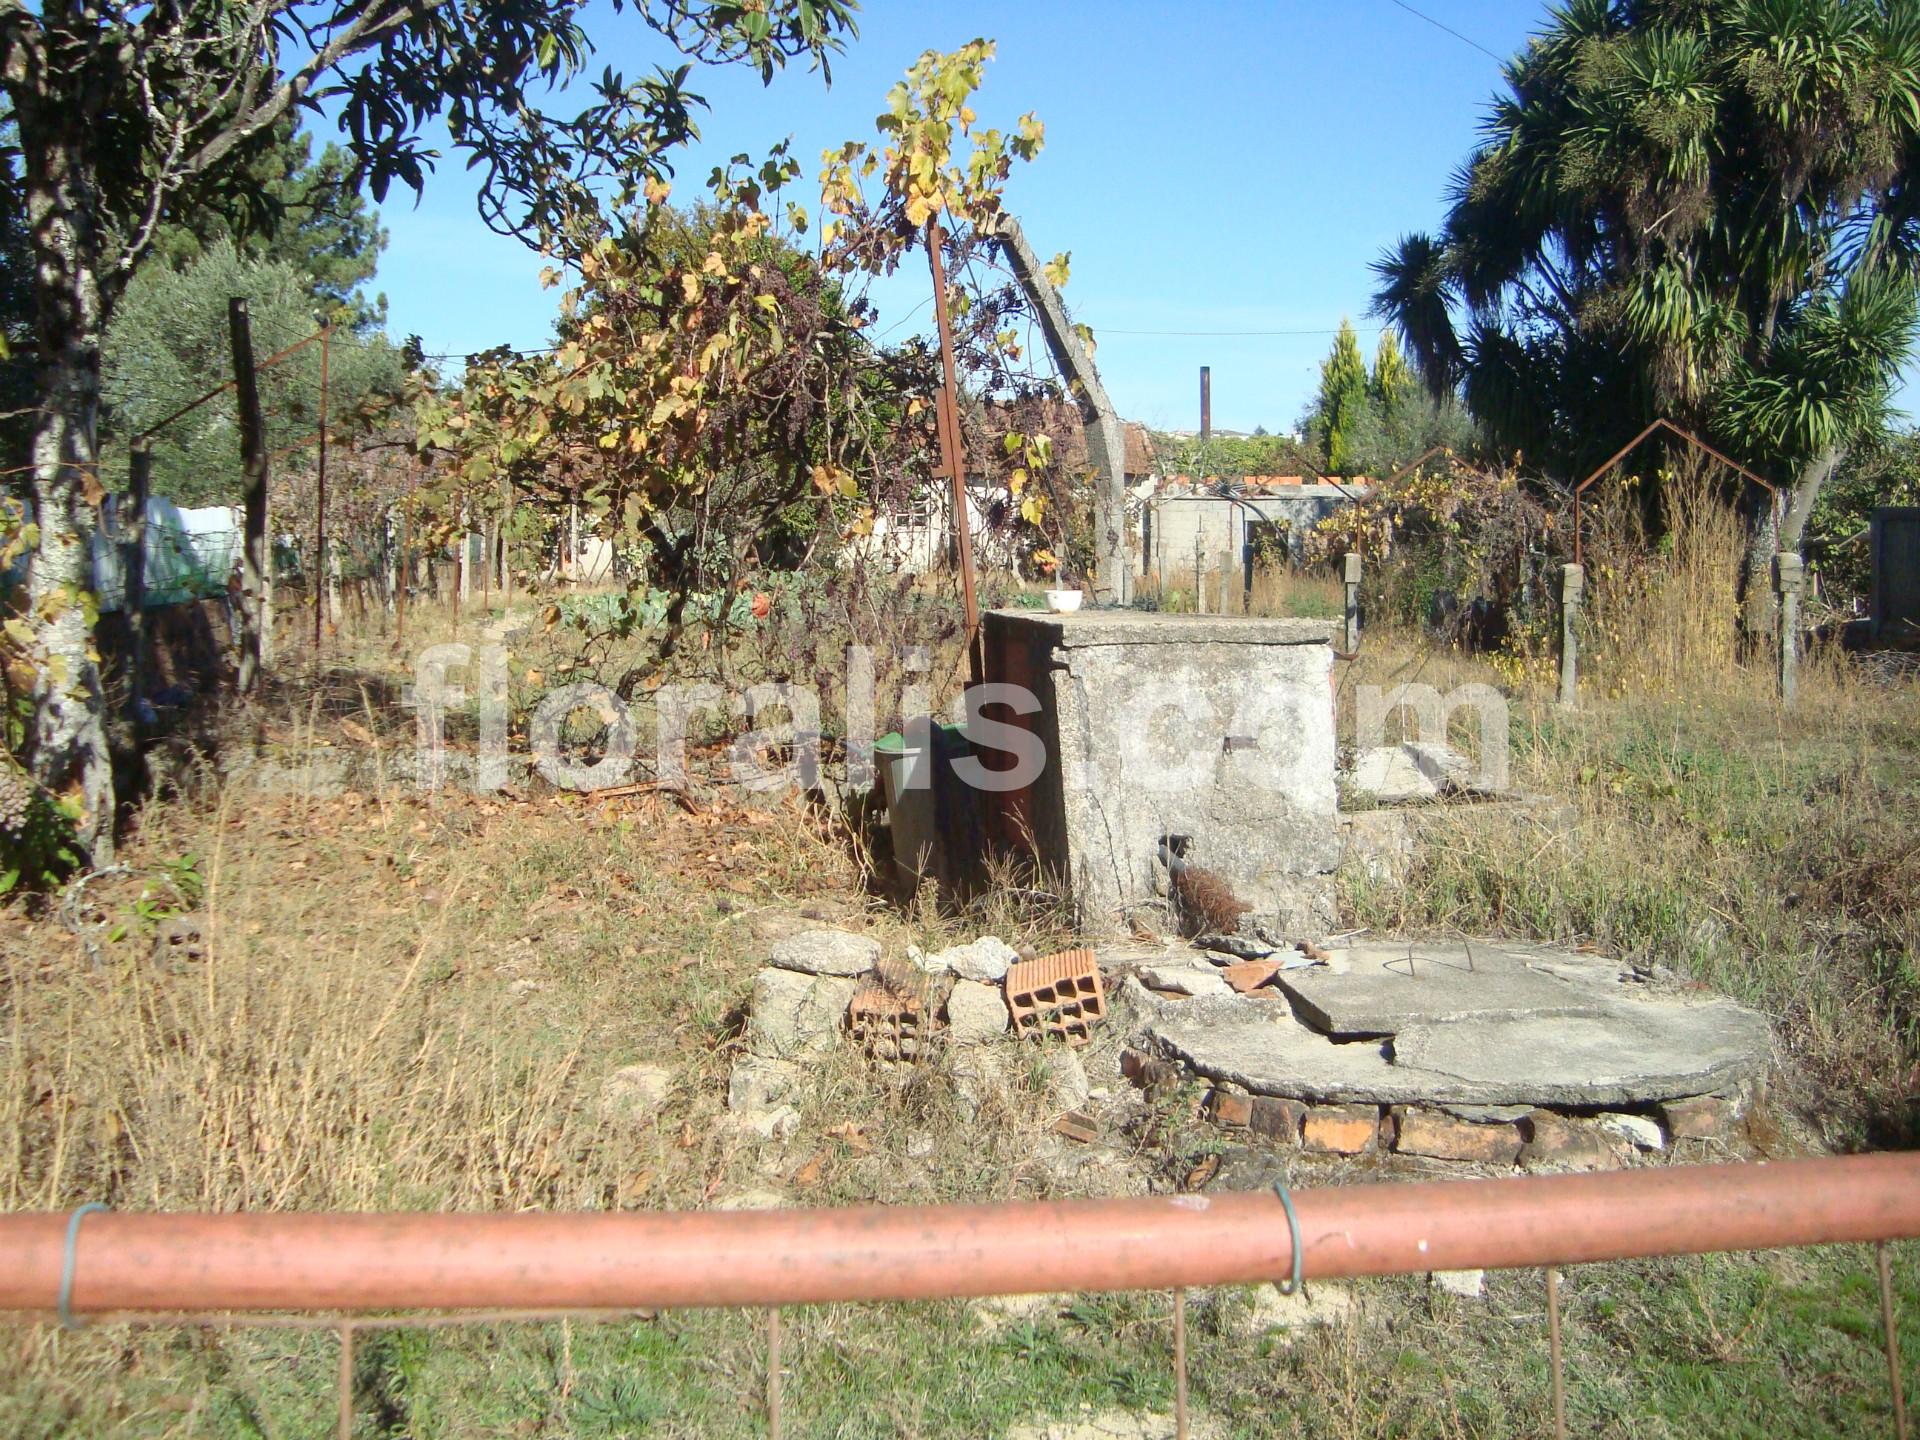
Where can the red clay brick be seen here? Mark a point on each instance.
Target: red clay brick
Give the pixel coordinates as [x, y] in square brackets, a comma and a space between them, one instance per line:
[1078, 1125]
[1567, 1143]
[1699, 1117]
[1057, 996]
[1277, 1119]
[1249, 975]
[1226, 1108]
[887, 1022]
[1341, 1129]
[1441, 1136]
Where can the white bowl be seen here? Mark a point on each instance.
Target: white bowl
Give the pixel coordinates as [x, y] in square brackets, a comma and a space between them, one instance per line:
[1064, 602]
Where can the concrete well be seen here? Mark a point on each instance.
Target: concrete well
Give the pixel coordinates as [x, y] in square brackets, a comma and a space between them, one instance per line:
[1219, 729]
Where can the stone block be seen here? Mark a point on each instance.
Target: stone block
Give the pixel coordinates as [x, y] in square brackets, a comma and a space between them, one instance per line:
[758, 1086]
[1341, 1129]
[1441, 1136]
[634, 1093]
[1186, 976]
[1375, 987]
[976, 1013]
[985, 960]
[795, 1013]
[1467, 1284]
[1640, 1131]
[1065, 1079]
[826, 951]
[1409, 771]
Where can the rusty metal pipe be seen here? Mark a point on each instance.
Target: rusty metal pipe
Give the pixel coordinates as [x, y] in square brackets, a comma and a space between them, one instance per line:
[352, 1262]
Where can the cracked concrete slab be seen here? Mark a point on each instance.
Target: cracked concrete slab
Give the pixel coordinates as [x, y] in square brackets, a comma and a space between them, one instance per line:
[1258, 1046]
[1634, 1052]
[1378, 988]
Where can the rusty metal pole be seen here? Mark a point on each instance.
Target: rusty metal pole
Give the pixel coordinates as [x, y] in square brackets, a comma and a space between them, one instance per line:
[952, 453]
[289, 1261]
[1180, 1365]
[320, 500]
[344, 1423]
[773, 1373]
[1892, 1333]
[1554, 1355]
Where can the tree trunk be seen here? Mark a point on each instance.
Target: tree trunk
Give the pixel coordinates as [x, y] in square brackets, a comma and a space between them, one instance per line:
[68, 746]
[1106, 437]
[1770, 531]
[1806, 494]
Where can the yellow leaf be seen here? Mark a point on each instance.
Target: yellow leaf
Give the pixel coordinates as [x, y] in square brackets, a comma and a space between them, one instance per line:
[657, 191]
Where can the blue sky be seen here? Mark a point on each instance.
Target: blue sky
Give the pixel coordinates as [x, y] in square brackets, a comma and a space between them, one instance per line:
[1211, 167]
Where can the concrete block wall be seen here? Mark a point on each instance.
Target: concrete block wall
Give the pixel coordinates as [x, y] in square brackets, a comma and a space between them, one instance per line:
[1216, 728]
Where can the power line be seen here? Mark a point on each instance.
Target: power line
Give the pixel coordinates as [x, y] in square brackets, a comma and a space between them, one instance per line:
[1102, 331]
[1441, 25]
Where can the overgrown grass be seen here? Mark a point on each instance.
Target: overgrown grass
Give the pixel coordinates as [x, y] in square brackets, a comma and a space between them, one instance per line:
[1770, 853]
[413, 1003]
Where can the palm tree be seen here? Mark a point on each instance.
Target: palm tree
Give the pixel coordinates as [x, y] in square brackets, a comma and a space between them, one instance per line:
[1708, 209]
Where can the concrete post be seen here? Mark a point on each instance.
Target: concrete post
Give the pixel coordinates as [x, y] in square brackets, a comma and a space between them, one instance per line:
[1350, 573]
[1573, 583]
[334, 577]
[1789, 581]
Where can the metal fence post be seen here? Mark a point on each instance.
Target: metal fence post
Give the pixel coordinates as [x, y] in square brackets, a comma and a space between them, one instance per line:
[1554, 1354]
[1350, 573]
[345, 1421]
[1789, 580]
[1573, 584]
[1892, 1333]
[773, 1373]
[1180, 1364]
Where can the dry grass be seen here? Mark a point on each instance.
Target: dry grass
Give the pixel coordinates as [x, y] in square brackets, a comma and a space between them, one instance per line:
[1663, 620]
[1769, 852]
[1278, 590]
[415, 1003]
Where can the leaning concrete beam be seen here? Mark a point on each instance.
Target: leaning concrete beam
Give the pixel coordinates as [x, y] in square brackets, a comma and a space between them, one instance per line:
[1106, 439]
